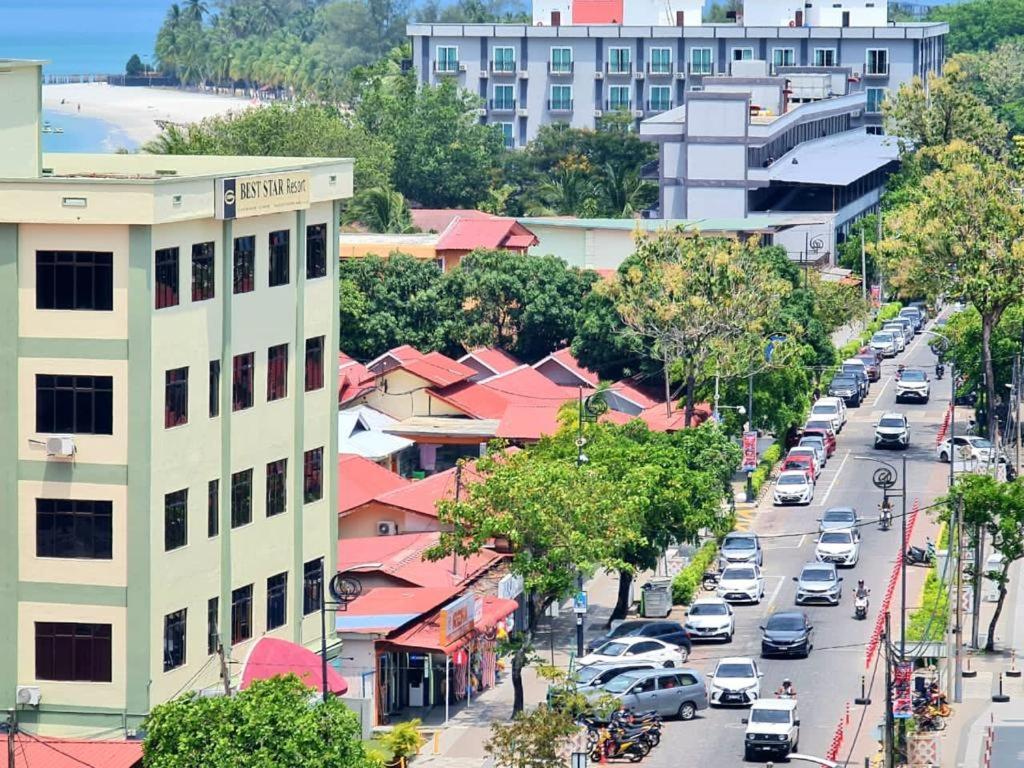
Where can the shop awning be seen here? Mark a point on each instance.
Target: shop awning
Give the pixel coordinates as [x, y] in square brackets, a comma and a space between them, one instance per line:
[426, 634]
[270, 656]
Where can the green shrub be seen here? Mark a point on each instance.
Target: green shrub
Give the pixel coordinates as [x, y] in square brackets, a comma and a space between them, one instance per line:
[934, 601]
[771, 456]
[688, 581]
[942, 540]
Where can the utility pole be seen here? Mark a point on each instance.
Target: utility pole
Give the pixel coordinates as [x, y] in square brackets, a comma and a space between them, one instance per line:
[1016, 412]
[887, 655]
[878, 239]
[225, 673]
[12, 729]
[958, 609]
[979, 553]
[458, 493]
[863, 268]
[716, 396]
[952, 420]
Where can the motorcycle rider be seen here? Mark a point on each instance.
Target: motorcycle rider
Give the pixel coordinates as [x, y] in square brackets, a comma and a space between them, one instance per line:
[786, 690]
[886, 516]
[940, 370]
[862, 591]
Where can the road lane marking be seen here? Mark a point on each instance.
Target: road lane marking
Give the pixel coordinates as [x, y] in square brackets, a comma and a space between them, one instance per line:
[775, 593]
[878, 397]
[834, 479]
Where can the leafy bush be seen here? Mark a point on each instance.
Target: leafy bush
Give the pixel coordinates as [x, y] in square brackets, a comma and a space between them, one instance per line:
[688, 580]
[404, 739]
[921, 625]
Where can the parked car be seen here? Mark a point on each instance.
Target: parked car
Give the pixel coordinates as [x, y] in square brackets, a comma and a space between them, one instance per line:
[860, 373]
[899, 335]
[838, 519]
[637, 649]
[818, 583]
[741, 583]
[884, 343]
[736, 680]
[817, 443]
[773, 729]
[909, 327]
[847, 388]
[787, 633]
[794, 486]
[838, 547]
[913, 314]
[832, 408]
[799, 464]
[965, 447]
[710, 618]
[872, 365]
[596, 675]
[922, 307]
[825, 432]
[892, 431]
[798, 451]
[741, 547]
[671, 632]
[913, 385]
[674, 693]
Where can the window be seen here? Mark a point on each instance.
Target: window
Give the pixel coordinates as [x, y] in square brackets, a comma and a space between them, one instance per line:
[241, 614]
[277, 372]
[175, 397]
[561, 60]
[618, 97]
[503, 59]
[504, 98]
[877, 62]
[175, 519]
[245, 264]
[82, 405]
[242, 384]
[214, 388]
[74, 280]
[561, 98]
[74, 528]
[447, 58]
[618, 61]
[700, 61]
[875, 98]
[212, 624]
[661, 61]
[314, 363]
[316, 251]
[202, 272]
[241, 498]
[783, 57]
[166, 278]
[174, 640]
[661, 98]
[873, 130]
[280, 246]
[507, 135]
[213, 508]
[742, 54]
[312, 475]
[312, 586]
[277, 601]
[277, 487]
[73, 652]
[824, 57]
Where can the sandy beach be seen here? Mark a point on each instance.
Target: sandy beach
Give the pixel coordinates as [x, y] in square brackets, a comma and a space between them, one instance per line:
[135, 110]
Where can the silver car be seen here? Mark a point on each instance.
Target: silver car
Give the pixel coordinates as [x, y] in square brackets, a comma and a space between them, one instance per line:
[838, 519]
[819, 583]
[669, 692]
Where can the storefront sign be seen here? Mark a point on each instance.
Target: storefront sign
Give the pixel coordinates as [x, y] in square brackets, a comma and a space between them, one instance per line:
[244, 196]
[510, 587]
[749, 450]
[876, 295]
[457, 618]
[902, 703]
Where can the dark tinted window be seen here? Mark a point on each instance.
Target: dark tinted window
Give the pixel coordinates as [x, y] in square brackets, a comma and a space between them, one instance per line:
[312, 585]
[212, 624]
[175, 519]
[202, 272]
[245, 264]
[242, 382]
[74, 652]
[277, 372]
[214, 386]
[279, 257]
[644, 647]
[277, 601]
[241, 614]
[314, 363]
[74, 404]
[74, 528]
[312, 471]
[241, 498]
[785, 623]
[81, 280]
[174, 640]
[316, 251]
[166, 277]
[175, 397]
[277, 487]
[213, 508]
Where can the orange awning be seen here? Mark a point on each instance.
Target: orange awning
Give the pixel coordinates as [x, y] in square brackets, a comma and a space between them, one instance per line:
[426, 634]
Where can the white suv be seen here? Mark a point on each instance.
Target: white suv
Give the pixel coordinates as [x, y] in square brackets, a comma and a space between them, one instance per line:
[892, 431]
[913, 385]
[773, 729]
[832, 408]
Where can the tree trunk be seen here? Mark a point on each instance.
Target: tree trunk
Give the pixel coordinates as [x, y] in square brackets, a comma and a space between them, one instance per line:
[690, 386]
[622, 603]
[518, 662]
[990, 641]
[987, 323]
[668, 393]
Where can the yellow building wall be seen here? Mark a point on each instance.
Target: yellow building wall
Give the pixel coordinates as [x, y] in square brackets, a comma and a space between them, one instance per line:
[363, 521]
[406, 395]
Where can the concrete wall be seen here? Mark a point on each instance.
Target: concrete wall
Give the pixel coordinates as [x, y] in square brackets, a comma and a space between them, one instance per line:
[363, 521]
[19, 121]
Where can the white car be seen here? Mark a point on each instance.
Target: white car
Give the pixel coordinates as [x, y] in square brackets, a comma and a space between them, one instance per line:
[793, 487]
[636, 649]
[814, 452]
[709, 618]
[913, 385]
[839, 547]
[966, 448]
[736, 680]
[831, 408]
[883, 343]
[817, 442]
[741, 583]
[892, 431]
[898, 335]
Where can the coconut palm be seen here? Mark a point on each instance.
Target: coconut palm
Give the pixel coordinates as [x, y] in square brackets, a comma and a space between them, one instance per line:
[622, 190]
[380, 210]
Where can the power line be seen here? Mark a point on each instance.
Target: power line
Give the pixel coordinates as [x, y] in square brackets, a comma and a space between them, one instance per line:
[49, 745]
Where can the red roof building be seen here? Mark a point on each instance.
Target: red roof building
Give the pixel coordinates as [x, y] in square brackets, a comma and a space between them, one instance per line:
[42, 752]
[361, 480]
[489, 361]
[463, 231]
[354, 380]
[562, 368]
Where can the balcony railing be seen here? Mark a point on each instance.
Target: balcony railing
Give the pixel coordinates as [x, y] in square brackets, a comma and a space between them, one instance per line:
[559, 105]
[612, 106]
[560, 69]
[701, 68]
[613, 69]
[659, 105]
[503, 67]
[660, 70]
[447, 67]
[502, 105]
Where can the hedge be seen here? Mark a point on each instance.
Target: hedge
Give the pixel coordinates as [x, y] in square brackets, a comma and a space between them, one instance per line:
[921, 626]
[885, 312]
[688, 581]
[771, 456]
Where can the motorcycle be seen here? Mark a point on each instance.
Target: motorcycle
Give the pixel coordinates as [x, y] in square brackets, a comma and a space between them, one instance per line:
[609, 747]
[940, 371]
[860, 607]
[921, 555]
[710, 581]
[885, 516]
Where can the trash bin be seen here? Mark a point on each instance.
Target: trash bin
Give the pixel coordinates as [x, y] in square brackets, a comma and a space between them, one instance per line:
[657, 598]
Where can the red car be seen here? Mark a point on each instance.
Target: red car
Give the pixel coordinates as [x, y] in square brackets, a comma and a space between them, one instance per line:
[801, 461]
[872, 364]
[826, 434]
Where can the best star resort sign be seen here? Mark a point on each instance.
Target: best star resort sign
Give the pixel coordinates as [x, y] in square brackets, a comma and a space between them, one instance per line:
[243, 196]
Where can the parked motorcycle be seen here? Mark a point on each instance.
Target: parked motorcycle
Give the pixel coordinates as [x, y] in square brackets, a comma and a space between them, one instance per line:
[860, 607]
[921, 555]
[885, 516]
[609, 747]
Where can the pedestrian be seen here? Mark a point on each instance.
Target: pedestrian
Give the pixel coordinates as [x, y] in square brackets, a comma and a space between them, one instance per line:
[816, 394]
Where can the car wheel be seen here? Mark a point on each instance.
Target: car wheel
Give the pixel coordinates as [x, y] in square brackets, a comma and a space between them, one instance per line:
[944, 457]
[670, 663]
[687, 710]
[728, 638]
[747, 755]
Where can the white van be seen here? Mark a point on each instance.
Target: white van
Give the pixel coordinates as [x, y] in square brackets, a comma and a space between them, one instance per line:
[831, 408]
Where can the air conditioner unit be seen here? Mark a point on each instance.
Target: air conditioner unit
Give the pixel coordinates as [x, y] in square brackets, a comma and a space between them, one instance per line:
[640, 74]
[680, 75]
[696, 87]
[482, 112]
[599, 75]
[523, 74]
[484, 74]
[598, 113]
[638, 113]
[462, 67]
[27, 695]
[60, 445]
[387, 528]
[522, 112]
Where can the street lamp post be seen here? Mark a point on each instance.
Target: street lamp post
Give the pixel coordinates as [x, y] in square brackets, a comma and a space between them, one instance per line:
[344, 589]
[593, 405]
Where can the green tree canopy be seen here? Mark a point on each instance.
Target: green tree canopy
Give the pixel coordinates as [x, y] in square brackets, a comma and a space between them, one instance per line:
[535, 740]
[979, 25]
[134, 66]
[379, 209]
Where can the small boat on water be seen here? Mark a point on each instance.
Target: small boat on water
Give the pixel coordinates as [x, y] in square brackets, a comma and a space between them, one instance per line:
[49, 128]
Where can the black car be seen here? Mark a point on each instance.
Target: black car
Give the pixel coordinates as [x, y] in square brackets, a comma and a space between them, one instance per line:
[847, 388]
[859, 372]
[787, 633]
[667, 631]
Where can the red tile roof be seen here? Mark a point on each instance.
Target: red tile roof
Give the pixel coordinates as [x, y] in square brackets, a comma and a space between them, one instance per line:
[354, 379]
[438, 219]
[468, 234]
[361, 480]
[565, 358]
[494, 358]
[635, 394]
[43, 752]
[440, 370]
[426, 634]
[528, 386]
[383, 609]
[272, 656]
[421, 496]
[657, 420]
[401, 557]
[473, 399]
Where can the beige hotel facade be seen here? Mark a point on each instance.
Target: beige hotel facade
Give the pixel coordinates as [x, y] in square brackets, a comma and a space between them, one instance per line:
[168, 443]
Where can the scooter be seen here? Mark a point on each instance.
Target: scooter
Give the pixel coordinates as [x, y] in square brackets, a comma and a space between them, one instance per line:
[940, 371]
[885, 517]
[860, 607]
[921, 555]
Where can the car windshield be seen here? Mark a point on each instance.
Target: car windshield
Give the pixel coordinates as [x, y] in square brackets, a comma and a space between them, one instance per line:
[769, 716]
[738, 542]
[839, 515]
[708, 609]
[891, 421]
[793, 479]
[826, 409]
[825, 426]
[585, 674]
[853, 371]
[816, 574]
[734, 670]
[738, 574]
[981, 442]
[625, 628]
[612, 649]
[619, 683]
[810, 442]
[882, 338]
[868, 359]
[785, 623]
[843, 381]
[913, 376]
[836, 537]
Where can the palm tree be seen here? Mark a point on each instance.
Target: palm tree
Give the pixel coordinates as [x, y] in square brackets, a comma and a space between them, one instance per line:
[622, 189]
[196, 9]
[380, 210]
[568, 192]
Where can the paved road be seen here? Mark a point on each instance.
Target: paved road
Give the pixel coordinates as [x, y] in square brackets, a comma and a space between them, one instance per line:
[831, 675]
